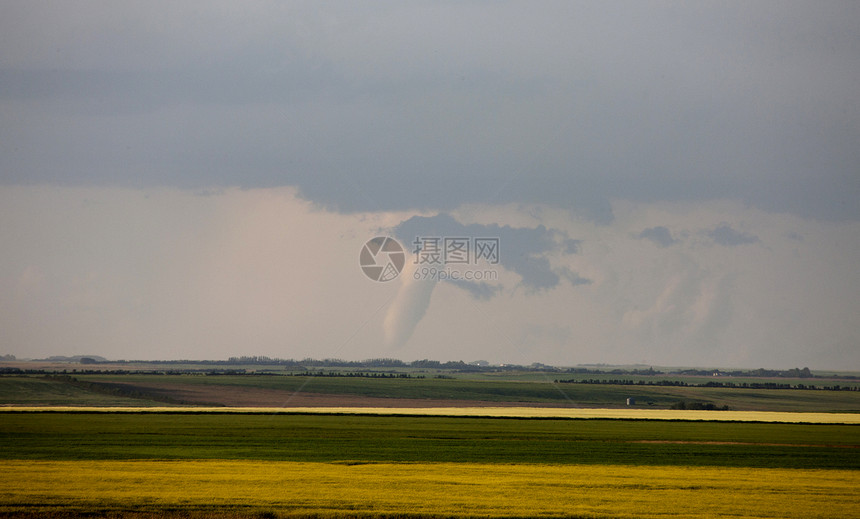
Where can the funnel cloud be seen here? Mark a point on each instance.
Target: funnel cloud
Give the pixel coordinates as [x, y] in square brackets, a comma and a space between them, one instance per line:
[408, 308]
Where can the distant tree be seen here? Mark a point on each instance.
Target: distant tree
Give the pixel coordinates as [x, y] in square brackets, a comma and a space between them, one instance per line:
[87, 360]
[701, 406]
[425, 363]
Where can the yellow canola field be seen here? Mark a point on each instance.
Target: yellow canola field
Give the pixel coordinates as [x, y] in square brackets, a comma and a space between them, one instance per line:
[518, 412]
[333, 489]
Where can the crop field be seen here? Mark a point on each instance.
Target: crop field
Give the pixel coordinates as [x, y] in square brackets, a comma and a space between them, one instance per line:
[487, 411]
[335, 438]
[266, 489]
[228, 445]
[248, 464]
[16, 390]
[302, 391]
[528, 390]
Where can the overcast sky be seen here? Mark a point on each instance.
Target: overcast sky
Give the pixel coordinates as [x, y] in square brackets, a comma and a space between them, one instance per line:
[670, 183]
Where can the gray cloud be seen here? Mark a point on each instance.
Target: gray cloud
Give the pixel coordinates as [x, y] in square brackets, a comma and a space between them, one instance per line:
[480, 290]
[660, 236]
[574, 278]
[571, 246]
[430, 106]
[521, 250]
[723, 234]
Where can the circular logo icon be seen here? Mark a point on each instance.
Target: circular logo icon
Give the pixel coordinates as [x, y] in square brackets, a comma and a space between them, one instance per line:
[382, 258]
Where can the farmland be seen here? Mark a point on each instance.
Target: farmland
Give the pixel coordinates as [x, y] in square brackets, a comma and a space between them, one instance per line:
[444, 445]
[344, 465]
[413, 439]
[240, 488]
[456, 390]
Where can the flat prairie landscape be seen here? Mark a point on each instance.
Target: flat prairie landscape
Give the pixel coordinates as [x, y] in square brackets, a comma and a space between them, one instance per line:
[241, 488]
[582, 259]
[237, 464]
[443, 389]
[145, 446]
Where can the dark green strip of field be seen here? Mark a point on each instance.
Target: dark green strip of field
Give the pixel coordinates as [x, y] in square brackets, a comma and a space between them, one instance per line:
[146, 390]
[367, 439]
[45, 391]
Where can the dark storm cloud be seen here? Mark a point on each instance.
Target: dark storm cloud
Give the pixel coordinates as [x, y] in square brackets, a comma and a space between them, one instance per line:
[574, 278]
[723, 234]
[430, 106]
[521, 250]
[660, 236]
[571, 246]
[480, 290]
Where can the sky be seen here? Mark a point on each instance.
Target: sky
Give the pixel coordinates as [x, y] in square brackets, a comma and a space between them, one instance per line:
[666, 183]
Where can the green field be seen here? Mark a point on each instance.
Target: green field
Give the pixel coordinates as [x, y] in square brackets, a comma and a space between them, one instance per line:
[179, 461]
[524, 390]
[336, 438]
[39, 390]
[142, 389]
[57, 464]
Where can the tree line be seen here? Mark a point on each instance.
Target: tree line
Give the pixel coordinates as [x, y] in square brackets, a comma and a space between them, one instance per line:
[681, 383]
